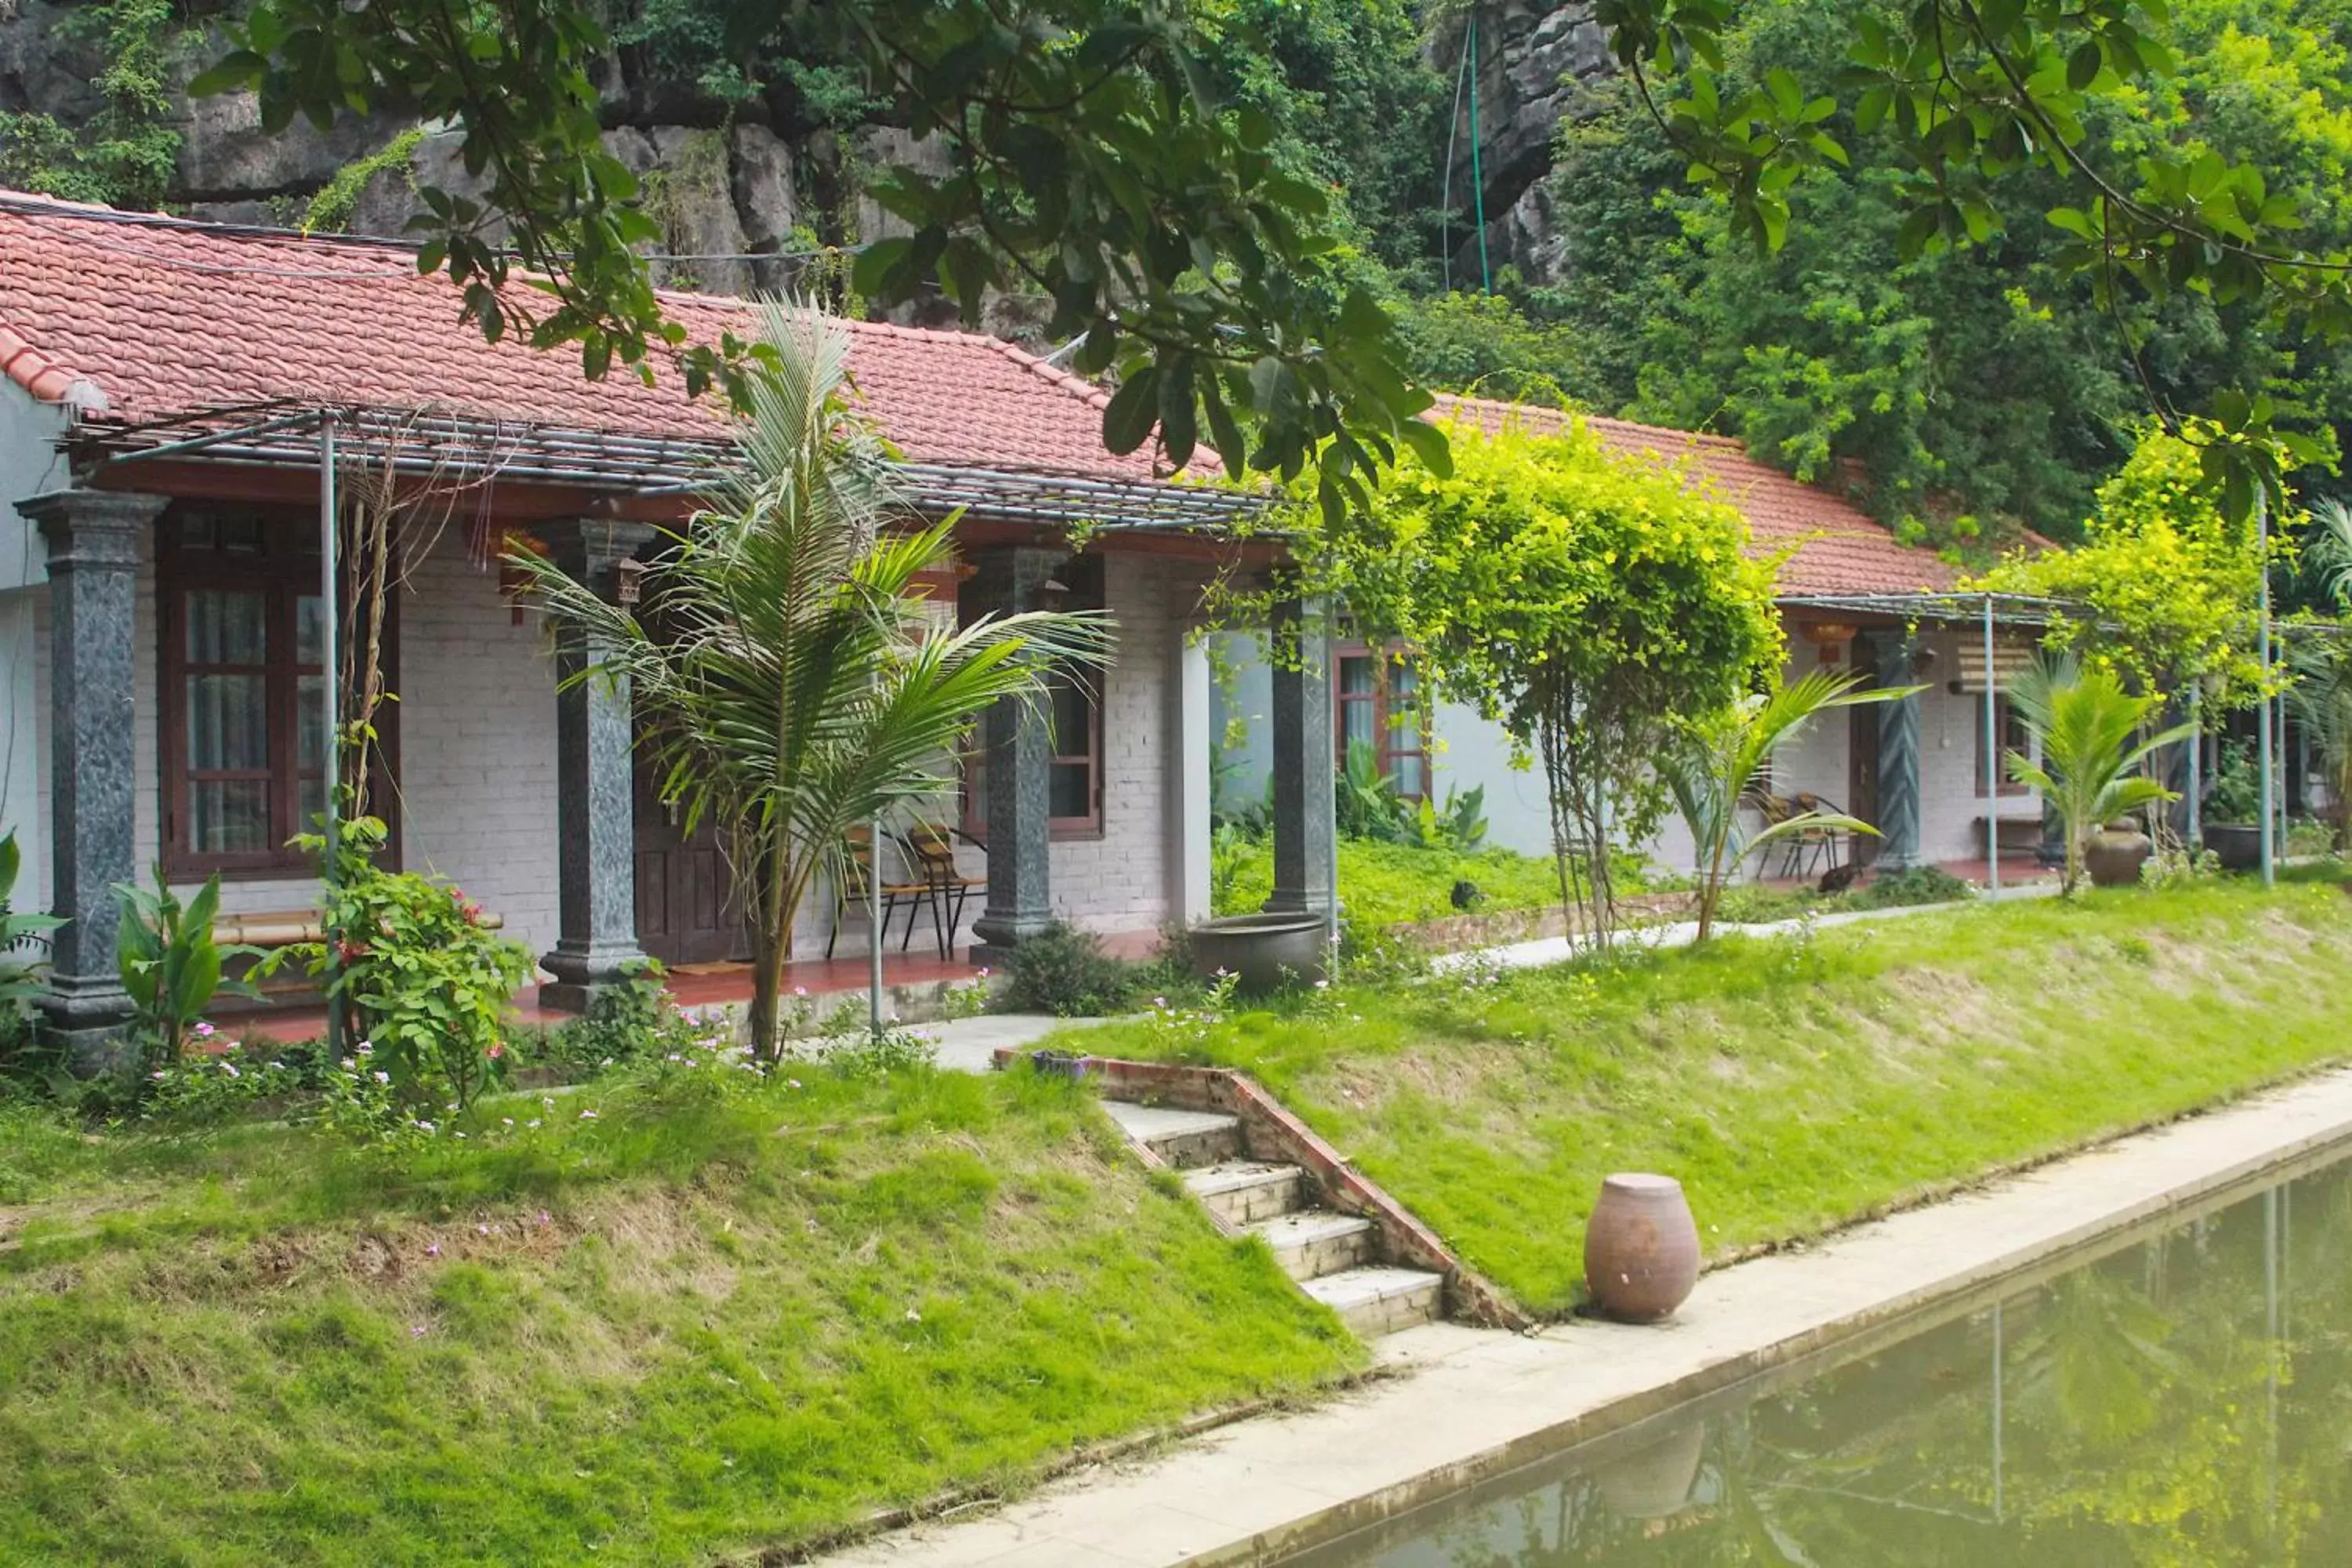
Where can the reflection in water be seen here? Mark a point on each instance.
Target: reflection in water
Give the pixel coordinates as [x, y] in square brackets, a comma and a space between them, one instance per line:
[2183, 1401]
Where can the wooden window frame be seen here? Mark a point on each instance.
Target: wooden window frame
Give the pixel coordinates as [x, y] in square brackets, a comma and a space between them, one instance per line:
[284, 571]
[1083, 575]
[1388, 723]
[2009, 727]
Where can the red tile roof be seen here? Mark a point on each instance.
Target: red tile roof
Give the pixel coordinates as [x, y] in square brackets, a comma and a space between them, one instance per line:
[163, 318]
[1839, 549]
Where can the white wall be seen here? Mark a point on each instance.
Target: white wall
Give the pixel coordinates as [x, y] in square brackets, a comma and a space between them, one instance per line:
[30, 464]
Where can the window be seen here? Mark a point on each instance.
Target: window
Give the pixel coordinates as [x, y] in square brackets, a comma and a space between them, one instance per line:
[1074, 788]
[1376, 699]
[242, 673]
[2014, 737]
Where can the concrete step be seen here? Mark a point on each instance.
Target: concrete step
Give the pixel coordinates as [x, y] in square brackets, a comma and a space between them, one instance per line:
[1376, 1299]
[1185, 1139]
[1310, 1243]
[1241, 1191]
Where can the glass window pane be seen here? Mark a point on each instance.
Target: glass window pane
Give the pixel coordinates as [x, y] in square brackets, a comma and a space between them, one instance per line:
[1355, 676]
[1072, 789]
[228, 722]
[227, 627]
[313, 801]
[228, 816]
[1356, 722]
[1409, 771]
[310, 735]
[1073, 720]
[1403, 681]
[310, 629]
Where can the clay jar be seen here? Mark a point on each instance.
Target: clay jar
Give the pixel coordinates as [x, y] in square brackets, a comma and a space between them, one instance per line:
[1641, 1248]
[2115, 853]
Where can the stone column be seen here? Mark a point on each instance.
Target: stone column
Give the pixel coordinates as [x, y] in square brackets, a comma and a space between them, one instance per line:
[595, 784]
[94, 549]
[1299, 649]
[1019, 751]
[1898, 760]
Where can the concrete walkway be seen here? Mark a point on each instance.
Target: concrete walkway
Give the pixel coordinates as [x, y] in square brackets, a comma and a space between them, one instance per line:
[1479, 1403]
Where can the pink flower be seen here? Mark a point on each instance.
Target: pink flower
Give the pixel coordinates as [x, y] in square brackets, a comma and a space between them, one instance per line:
[416, 1331]
[432, 1249]
[204, 1031]
[497, 1049]
[587, 1116]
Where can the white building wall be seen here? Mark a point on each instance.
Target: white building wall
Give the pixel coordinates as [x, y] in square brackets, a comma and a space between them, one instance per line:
[30, 464]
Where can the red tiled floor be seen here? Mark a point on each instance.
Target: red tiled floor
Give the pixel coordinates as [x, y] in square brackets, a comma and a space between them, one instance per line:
[706, 984]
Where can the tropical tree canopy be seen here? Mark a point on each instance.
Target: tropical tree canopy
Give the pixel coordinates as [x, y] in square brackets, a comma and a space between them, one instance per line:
[799, 685]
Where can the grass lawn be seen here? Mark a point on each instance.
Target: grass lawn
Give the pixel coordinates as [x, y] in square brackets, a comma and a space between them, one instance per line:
[1386, 884]
[1796, 1084]
[690, 1325]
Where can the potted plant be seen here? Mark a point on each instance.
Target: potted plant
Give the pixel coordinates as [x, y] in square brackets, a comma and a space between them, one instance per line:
[1267, 951]
[2233, 809]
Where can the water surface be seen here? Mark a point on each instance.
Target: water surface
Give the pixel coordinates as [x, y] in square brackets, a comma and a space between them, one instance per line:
[2185, 1399]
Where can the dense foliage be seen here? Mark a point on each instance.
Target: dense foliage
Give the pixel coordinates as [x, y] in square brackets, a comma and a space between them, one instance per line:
[1585, 603]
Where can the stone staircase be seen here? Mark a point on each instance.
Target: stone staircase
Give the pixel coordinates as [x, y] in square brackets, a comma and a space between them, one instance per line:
[1335, 1258]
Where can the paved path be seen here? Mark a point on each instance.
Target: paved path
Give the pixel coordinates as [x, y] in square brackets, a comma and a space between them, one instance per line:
[1479, 1403]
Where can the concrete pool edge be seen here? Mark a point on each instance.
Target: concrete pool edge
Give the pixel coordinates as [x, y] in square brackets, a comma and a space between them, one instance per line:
[1485, 1403]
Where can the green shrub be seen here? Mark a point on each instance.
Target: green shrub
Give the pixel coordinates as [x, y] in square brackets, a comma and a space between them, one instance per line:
[2236, 799]
[622, 1025]
[1911, 885]
[1064, 971]
[415, 972]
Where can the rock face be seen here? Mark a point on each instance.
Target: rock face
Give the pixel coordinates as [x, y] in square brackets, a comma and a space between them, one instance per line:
[1536, 62]
[726, 196]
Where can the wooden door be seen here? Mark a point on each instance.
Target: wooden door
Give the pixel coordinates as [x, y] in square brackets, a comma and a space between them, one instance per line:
[1862, 756]
[685, 912]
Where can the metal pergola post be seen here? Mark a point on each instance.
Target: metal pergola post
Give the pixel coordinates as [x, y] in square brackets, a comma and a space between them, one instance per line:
[2265, 740]
[331, 610]
[1992, 761]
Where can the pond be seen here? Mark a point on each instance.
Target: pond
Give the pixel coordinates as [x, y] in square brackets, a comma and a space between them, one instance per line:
[2184, 1398]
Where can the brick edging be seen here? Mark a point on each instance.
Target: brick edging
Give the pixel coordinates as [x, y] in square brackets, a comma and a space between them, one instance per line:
[1272, 1128]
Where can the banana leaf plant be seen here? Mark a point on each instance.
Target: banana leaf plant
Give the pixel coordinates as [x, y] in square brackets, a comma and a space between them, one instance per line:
[24, 938]
[171, 963]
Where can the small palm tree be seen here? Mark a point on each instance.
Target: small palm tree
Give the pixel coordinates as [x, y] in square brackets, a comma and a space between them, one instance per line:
[1714, 769]
[797, 683]
[2085, 724]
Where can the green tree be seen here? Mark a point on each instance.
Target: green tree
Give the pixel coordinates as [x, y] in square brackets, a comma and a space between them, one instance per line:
[799, 687]
[2166, 588]
[1584, 603]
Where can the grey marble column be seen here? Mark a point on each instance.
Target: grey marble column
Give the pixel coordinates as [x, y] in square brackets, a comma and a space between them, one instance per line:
[1299, 649]
[596, 785]
[94, 549]
[1898, 760]
[1020, 764]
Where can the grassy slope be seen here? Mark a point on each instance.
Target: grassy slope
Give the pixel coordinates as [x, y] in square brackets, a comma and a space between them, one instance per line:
[1793, 1086]
[677, 1330]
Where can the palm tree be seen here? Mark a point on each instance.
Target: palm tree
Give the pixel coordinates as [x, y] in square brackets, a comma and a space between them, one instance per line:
[1713, 771]
[796, 683]
[2085, 725]
[2327, 551]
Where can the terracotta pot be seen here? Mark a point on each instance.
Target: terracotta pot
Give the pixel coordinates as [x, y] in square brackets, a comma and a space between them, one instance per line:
[2114, 855]
[1267, 951]
[1641, 1248]
[1655, 1482]
[2237, 845]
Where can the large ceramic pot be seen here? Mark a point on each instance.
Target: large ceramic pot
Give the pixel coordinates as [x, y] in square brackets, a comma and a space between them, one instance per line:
[2114, 855]
[2237, 845]
[1641, 1248]
[1267, 951]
